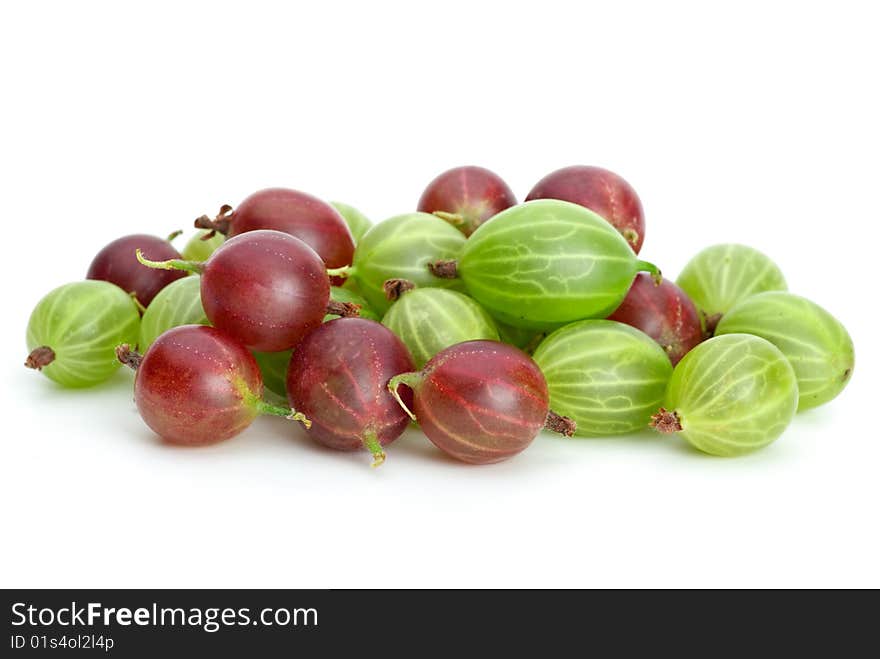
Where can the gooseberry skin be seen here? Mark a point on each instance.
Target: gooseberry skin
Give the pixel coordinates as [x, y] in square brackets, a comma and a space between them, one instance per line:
[467, 196]
[601, 191]
[200, 249]
[428, 320]
[197, 385]
[337, 377]
[401, 248]
[815, 343]
[266, 288]
[82, 323]
[479, 401]
[118, 264]
[607, 376]
[301, 215]
[721, 275]
[357, 222]
[179, 303]
[546, 263]
[664, 312]
[731, 395]
[273, 365]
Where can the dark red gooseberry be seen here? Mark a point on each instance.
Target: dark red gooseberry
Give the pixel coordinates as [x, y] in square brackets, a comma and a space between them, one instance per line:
[312, 220]
[601, 191]
[197, 385]
[481, 401]
[337, 377]
[664, 312]
[466, 197]
[118, 264]
[267, 289]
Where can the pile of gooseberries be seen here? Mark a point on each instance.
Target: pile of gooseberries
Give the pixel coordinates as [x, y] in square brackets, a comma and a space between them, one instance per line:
[482, 320]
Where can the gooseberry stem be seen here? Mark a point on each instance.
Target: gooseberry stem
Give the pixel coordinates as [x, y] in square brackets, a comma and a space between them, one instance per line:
[40, 357]
[345, 271]
[394, 288]
[371, 443]
[172, 264]
[278, 410]
[219, 224]
[173, 235]
[137, 303]
[650, 268]
[561, 424]
[343, 309]
[411, 380]
[455, 219]
[444, 269]
[129, 356]
[666, 422]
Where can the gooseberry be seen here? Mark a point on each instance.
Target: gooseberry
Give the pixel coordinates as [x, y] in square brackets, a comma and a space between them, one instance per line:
[73, 332]
[179, 303]
[480, 401]
[117, 264]
[815, 343]
[601, 191]
[267, 289]
[428, 320]
[545, 263]
[664, 312]
[197, 385]
[722, 275]
[401, 248]
[337, 378]
[466, 197]
[202, 245]
[730, 395]
[609, 377]
[357, 222]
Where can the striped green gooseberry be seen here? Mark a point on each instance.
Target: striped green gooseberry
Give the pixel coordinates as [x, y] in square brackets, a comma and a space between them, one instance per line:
[273, 365]
[74, 330]
[730, 395]
[607, 376]
[546, 263]
[720, 276]
[357, 222]
[428, 320]
[815, 343]
[401, 248]
[202, 245]
[179, 303]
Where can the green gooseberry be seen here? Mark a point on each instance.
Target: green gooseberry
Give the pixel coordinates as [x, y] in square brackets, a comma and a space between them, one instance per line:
[179, 303]
[273, 365]
[607, 376]
[546, 263]
[74, 330]
[722, 275]
[199, 248]
[815, 343]
[524, 339]
[357, 222]
[429, 320]
[401, 248]
[730, 395]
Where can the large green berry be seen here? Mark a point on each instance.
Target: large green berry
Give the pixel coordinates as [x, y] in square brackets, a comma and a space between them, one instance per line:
[428, 320]
[546, 263]
[730, 395]
[401, 248]
[609, 377]
[817, 345]
[357, 222]
[74, 330]
[722, 275]
[179, 303]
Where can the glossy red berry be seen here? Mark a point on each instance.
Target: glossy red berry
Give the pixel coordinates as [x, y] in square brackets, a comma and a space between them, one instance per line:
[466, 197]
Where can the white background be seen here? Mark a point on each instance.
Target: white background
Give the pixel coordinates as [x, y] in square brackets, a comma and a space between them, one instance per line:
[757, 124]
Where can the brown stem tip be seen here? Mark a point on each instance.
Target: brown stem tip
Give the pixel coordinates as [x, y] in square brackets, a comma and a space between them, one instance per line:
[129, 356]
[394, 288]
[561, 424]
[344, 309]
[40, 357]
[444, 269]
[219, 224]
[665, 421]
